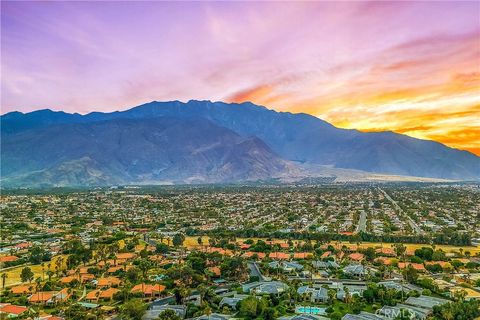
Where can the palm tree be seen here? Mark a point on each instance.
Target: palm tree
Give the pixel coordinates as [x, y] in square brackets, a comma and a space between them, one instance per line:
[4, 278]
[38, 283]
[348, 296]
[331, 295]
[202, 290]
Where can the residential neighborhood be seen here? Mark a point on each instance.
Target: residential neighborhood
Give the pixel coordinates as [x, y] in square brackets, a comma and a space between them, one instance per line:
[242, 252]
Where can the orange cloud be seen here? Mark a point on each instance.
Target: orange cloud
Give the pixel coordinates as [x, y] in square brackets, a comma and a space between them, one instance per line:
[251, 94]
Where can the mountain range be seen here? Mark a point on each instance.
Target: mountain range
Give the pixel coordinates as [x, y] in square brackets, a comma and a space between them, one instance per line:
[205, 142]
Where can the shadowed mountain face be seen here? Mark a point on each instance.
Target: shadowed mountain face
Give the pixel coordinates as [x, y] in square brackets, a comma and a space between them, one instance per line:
[297, 137]
[122, 151]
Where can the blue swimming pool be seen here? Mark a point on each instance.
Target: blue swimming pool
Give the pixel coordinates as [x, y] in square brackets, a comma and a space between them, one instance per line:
[309, 310]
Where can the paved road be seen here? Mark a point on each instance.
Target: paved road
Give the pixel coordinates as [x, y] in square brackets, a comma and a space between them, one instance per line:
[410, 221]
[362, 222]
[83, 294]
[255, 270]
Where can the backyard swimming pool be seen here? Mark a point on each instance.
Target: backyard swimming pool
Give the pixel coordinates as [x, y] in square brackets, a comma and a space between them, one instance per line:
[309, 310]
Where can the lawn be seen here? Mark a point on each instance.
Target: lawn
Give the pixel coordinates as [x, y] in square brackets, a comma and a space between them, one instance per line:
[191, 242]
[13, 275]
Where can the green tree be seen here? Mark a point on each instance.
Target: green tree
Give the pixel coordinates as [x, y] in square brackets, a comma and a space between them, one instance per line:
[144, 265]
[410, 274]
[38, 254]
[458, 310]
[178, 239]
[133, 274]
[168, 314]
[370, 254]
[133, 310]
[248, 307]
[161, 248]
[269, 314]
[26, 274]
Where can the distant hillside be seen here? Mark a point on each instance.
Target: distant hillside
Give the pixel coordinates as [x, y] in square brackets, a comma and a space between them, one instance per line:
[123, 151]
[296, 137]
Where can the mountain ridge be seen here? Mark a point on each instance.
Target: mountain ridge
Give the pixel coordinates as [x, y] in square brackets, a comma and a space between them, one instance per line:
[124, 151]
[295, 137]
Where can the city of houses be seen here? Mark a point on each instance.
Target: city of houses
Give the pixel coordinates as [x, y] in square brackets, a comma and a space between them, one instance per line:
[242, 252]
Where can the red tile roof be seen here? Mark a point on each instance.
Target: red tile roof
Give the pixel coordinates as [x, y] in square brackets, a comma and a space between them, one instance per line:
[12, 309]
[21, 289]
[356, 256]
[302, 255]
[279, 255]
[8, 258]
[148, 289]
[41, 296]
[416, 266]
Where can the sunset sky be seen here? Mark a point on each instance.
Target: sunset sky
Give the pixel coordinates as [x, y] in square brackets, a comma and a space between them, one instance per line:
[409, 67]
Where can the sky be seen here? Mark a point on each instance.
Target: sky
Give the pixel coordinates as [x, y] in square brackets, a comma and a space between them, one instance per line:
[408, 67]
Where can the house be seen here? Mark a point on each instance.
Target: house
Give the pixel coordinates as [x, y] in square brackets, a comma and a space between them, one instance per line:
[362, 316]
[11, 310]
[250, 254]
[287, 266]
[302, 255]
[108, 294]
[224, 252]
[320, 264]
[232, 302]
[124, 256]
[21, 289]
[284, 245]
[315, 295]
[8, 259]
[214, 316]
[82, 270]
[325, 265]
[215, 271]
[148, 290]
[355, 270]
[41, 297]
[95, 295]
[326, 254]
[384, 260]
[303, 317]
[61, 296]
[388, 252]
[108, 282]
[356, 256]
[417, 266]
[393, 312]
[118, 268]
[155, 310]
[405, 287]
[86, 277]
[279, 255]
[67, 279]
[271, 287]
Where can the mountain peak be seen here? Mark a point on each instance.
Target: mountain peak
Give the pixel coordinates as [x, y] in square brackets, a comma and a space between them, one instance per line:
[296, 137]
